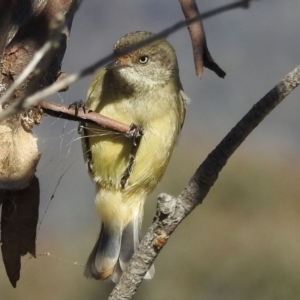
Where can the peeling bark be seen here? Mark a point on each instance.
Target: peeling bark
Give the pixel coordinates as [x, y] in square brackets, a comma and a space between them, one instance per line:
[25, 25]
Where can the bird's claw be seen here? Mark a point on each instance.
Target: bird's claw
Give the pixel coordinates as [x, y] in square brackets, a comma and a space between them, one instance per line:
[135, 132]
[77, 105]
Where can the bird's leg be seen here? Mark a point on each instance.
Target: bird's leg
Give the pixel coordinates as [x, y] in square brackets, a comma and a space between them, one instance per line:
[135, 132]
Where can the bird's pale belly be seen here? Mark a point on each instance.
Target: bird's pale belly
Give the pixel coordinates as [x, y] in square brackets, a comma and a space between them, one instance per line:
[111, 157]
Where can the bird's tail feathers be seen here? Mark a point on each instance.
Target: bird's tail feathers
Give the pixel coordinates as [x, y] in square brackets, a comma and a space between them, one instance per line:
[105, 254]
[113, 250]
[131, 237]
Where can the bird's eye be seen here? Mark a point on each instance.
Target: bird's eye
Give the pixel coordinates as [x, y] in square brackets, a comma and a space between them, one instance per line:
[143, 59]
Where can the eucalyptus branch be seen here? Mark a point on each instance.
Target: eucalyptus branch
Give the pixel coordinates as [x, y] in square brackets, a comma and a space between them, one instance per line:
[172, 211]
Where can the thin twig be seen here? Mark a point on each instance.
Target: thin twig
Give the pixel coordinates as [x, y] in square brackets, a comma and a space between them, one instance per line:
[70, 113]
[193, 194]
[219, 10]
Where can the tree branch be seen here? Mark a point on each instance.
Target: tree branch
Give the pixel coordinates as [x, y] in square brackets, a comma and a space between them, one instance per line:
[219, 10]
[196, 31]
[201, 54]
[172, 211]
[66, 112]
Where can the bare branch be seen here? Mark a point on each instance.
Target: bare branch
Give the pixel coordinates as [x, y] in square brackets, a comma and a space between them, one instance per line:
[239, 4]
[193, 194]
[64, 111]
[202, 56]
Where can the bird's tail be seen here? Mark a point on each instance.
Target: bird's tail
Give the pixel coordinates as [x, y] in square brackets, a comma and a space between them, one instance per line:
[112, 252]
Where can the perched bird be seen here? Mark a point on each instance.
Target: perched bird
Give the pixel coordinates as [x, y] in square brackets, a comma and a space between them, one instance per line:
[144, 88]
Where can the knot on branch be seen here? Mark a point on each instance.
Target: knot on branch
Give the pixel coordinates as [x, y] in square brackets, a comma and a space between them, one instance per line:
[161, 238]
[208, 173]
[165, 205]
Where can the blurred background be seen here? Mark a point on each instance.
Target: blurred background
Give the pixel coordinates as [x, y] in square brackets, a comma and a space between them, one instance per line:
[243, 242]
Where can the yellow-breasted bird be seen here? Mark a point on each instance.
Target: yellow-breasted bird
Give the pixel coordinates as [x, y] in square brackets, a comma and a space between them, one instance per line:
[144, 88]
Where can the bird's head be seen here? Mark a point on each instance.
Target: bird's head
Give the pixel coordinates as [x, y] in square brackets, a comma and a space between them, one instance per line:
[153, 64]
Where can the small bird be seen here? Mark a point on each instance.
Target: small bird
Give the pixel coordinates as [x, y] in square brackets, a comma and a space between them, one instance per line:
[144, 88]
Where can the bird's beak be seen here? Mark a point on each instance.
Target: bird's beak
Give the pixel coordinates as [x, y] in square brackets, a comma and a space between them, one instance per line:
[120, 62]
[115, 64]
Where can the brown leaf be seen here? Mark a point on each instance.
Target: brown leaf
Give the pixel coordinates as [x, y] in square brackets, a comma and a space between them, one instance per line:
[18, 227]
